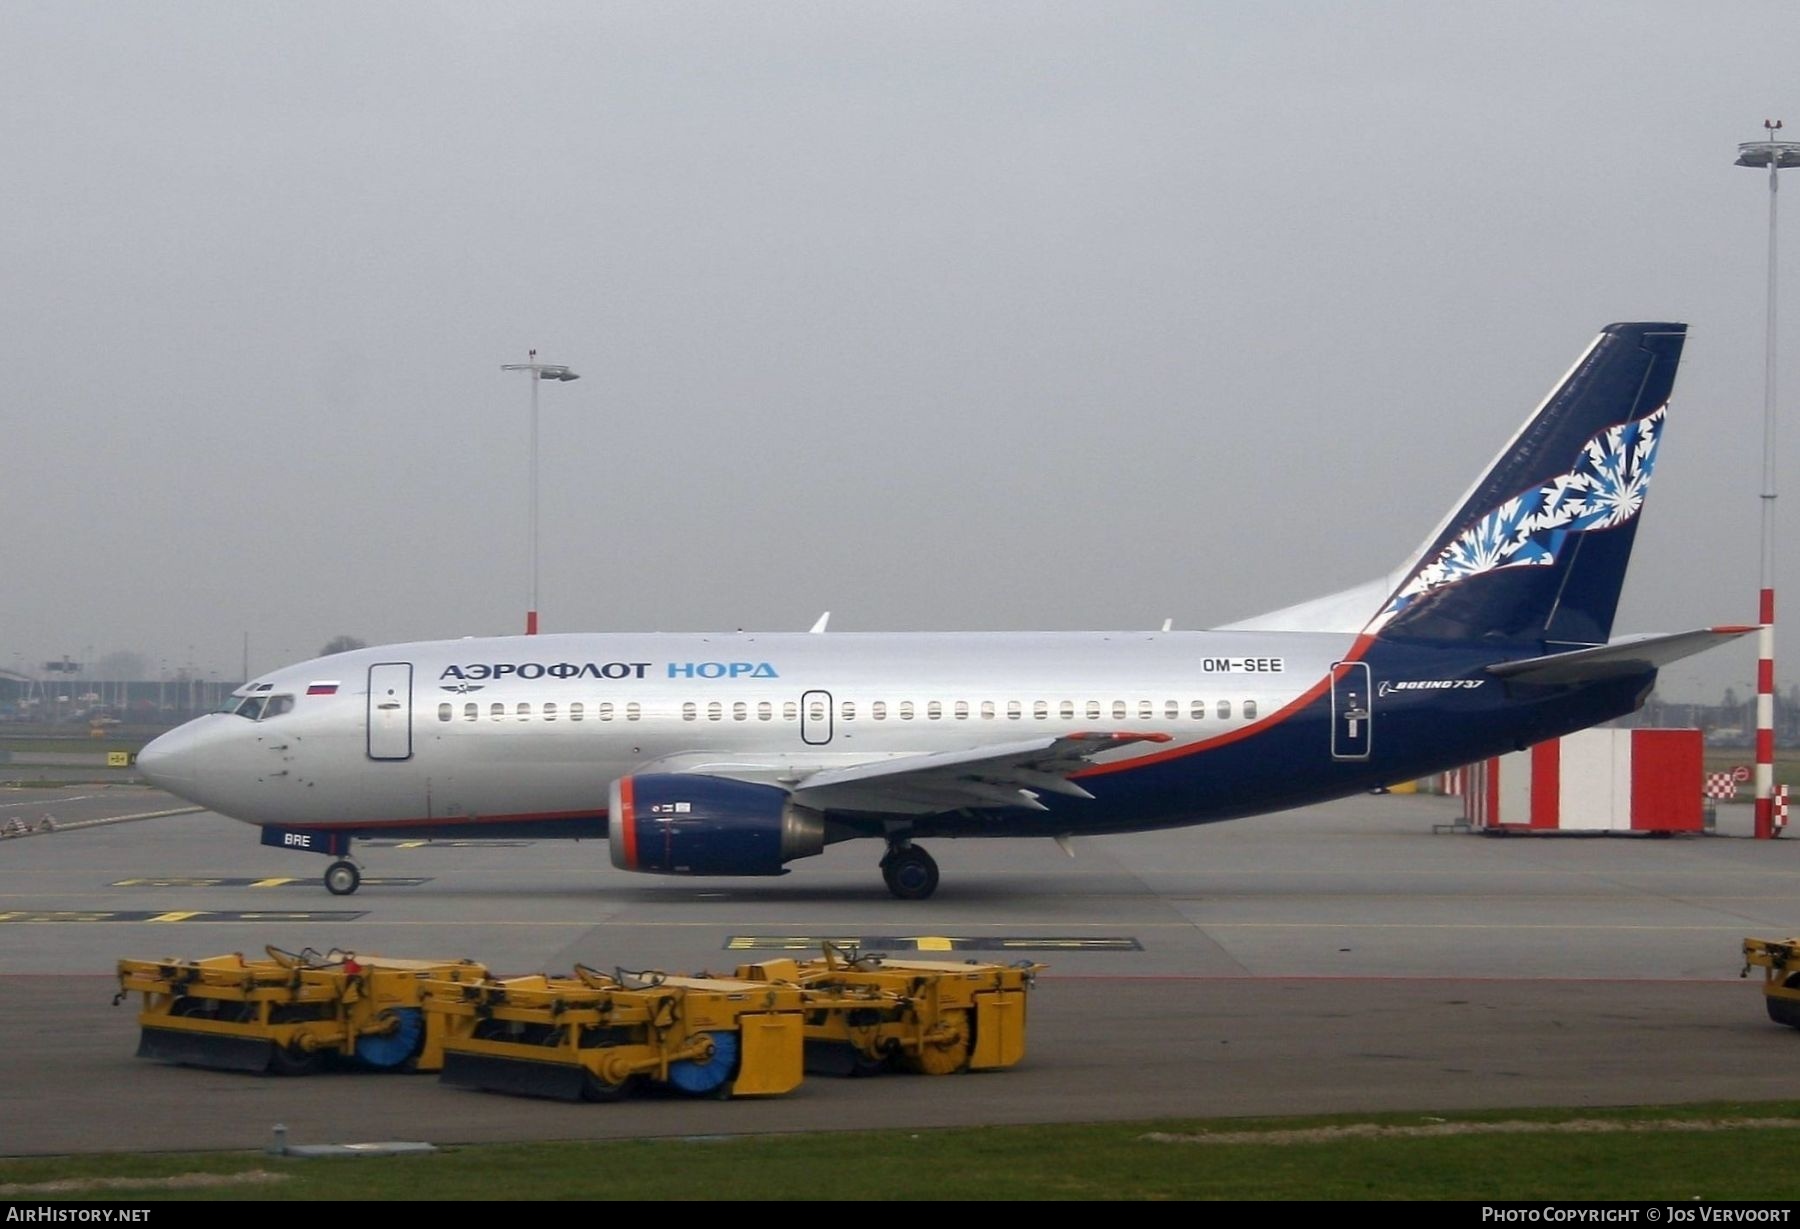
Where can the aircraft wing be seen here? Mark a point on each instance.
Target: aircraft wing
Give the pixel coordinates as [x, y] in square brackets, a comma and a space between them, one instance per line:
[1632, 655]
[1001, 775]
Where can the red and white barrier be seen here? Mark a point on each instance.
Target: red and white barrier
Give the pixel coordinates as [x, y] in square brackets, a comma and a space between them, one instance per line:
[1592, 781]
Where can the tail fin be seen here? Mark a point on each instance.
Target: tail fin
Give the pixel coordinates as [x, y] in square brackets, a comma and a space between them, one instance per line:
[1535, 554]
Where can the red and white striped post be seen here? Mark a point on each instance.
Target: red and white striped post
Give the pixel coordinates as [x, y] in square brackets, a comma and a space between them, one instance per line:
[1774, 155]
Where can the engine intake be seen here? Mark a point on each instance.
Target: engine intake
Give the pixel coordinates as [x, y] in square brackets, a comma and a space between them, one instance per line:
[691, 824]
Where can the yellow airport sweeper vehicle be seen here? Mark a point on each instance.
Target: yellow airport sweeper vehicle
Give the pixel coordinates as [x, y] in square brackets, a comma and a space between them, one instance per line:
[291, 1012]
[590, 1036]
[597, 1036]
[867, 1012]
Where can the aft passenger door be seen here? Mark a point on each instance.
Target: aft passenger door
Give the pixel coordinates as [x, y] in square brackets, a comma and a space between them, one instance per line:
[1352, 711]
[390, 711]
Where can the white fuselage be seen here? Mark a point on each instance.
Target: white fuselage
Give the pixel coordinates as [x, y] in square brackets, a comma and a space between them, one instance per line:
[542, 725]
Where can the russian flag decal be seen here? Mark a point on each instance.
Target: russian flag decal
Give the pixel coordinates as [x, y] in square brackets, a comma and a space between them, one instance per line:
[322, 689]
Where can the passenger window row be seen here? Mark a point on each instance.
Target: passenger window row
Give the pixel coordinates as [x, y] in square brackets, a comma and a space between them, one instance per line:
[878, 710]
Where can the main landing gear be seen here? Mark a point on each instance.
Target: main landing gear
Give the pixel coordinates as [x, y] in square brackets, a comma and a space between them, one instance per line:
[342, 878]
[910, 872]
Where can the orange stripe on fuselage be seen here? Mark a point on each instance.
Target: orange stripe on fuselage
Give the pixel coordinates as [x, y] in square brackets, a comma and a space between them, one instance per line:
[1357, 649]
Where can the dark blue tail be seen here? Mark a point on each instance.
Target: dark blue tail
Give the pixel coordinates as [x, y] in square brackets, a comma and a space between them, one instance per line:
[1535, 556]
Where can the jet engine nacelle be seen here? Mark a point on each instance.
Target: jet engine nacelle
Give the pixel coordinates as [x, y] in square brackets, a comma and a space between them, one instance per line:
[690, 824]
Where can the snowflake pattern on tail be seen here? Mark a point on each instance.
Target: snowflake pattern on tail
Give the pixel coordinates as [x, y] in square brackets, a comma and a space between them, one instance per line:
[1605, 488]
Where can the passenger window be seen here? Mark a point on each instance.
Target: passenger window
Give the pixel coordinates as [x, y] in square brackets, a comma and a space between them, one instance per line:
[444, 712]
[765, 711]
[740, 711]
[633, 711]
[934, 711]
[962, 710]
[879, 709]
[1093, 710]
[1250, 710]
[906, 710]
[1198, 710]
[497, 711]
[524, 711]
[987, 710]
[1067, 710]
[605, 710]
[1012, 710]
[849, 708]
[1224, 710]
[1040, 709]
[575, 711]
[471, 711]
[790, 711]
[1118, 710]
[815, 711]
[1172, 709]
[550, 710]
[689, 711]
[1145, 710]
[714, 710]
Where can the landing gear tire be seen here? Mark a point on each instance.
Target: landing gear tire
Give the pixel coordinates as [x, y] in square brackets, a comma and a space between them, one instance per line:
[910, 873]
[342, 878]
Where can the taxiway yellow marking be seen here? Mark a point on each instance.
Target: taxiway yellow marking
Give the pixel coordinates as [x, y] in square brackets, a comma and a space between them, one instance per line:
[933, 943]
[410, 845]
[177, 916]
[273, 883]
[746, 943]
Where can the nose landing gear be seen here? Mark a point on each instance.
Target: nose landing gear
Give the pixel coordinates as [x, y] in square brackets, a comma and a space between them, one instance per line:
[910, 872]
[342, 878]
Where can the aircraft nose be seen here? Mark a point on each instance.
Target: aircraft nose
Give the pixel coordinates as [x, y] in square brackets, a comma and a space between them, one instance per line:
[168, 761]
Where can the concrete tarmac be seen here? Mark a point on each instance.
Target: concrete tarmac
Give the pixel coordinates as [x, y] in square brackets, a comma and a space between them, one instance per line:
[1340, 958]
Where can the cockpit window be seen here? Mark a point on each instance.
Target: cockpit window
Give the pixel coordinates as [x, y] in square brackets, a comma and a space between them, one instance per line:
[257, 708]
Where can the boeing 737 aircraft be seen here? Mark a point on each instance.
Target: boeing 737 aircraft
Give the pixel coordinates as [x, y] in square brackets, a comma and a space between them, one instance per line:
[737, 754]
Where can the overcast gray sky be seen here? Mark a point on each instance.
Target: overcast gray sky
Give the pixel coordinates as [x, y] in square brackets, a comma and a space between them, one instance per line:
[936, 315]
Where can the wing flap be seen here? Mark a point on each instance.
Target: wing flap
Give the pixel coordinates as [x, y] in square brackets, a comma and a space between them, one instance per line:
[1003, 775]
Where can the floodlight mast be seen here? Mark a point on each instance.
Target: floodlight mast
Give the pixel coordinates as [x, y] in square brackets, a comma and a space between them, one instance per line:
[539, 373]
[1775, 155]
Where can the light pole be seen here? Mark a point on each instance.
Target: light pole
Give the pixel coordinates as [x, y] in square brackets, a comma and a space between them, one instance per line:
[539, 372]
[1773, 154]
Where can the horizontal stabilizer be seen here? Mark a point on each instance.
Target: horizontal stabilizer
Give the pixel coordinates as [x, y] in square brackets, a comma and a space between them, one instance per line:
[1632, 655]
